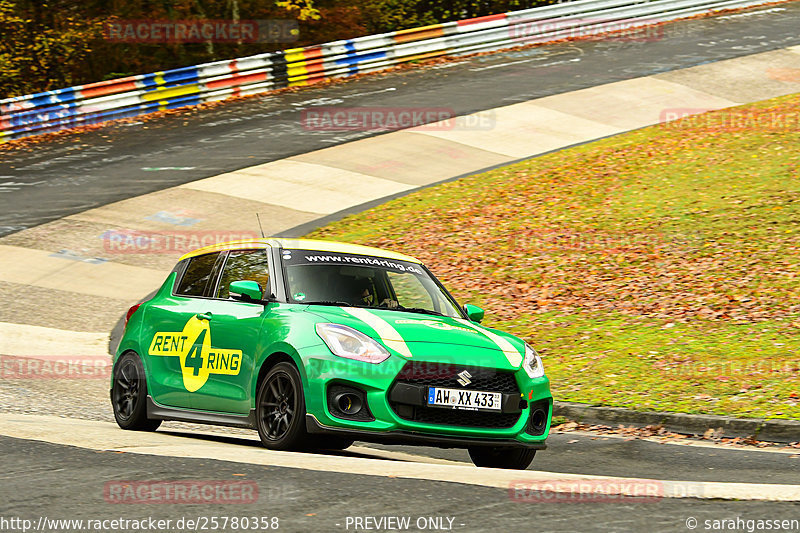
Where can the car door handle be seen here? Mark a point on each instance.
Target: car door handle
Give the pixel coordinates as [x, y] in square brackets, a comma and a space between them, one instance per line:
[203, 316]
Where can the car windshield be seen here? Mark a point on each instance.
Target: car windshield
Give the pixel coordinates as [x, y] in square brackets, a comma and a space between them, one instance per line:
[364, 281]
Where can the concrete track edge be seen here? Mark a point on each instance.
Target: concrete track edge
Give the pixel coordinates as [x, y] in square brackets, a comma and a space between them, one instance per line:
[105, 436]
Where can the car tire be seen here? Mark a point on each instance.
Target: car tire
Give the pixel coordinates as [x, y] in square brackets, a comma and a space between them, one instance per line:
[281, 409]
[509, 458]
[129, 395]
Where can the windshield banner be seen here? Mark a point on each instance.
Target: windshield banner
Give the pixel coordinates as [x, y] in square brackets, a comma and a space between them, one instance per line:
[311, 257]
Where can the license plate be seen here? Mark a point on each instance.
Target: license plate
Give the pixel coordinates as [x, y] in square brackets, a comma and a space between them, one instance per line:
[471, 400]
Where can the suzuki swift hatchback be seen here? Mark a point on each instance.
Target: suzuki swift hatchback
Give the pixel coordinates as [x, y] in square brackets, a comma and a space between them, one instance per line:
[318, 344]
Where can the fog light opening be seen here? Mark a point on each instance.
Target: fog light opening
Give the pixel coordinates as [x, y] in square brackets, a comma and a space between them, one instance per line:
[538, 419]
[348, 403]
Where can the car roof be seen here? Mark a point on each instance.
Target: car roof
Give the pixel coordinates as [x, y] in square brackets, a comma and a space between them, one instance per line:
[301, 244]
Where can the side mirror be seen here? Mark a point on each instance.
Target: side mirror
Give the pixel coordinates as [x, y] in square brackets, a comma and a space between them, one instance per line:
[245, 290]
[474, 312]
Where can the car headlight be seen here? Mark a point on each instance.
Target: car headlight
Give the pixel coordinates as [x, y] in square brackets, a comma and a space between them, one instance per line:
[532, 363]
[349, 343]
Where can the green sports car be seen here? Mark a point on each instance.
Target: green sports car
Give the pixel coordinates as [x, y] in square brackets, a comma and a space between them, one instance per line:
[318, 344]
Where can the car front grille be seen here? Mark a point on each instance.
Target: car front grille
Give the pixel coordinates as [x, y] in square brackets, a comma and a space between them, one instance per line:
[447, 375]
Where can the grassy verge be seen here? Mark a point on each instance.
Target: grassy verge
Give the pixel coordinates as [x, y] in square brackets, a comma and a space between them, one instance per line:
[656, 270]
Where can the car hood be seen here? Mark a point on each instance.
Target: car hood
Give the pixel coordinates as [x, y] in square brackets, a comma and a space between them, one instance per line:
[425, 336]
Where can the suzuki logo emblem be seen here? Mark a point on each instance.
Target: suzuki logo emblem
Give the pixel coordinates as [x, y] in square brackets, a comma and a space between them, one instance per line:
[463, 378]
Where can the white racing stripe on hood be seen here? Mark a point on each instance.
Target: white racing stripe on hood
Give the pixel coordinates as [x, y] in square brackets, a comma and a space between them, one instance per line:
[385, 331]
[511, 353]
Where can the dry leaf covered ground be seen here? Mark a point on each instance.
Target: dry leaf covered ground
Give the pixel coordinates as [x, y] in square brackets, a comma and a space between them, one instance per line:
[654, 270]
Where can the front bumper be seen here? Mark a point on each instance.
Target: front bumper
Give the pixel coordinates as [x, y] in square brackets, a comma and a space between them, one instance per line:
[389, 424]
[400, 437]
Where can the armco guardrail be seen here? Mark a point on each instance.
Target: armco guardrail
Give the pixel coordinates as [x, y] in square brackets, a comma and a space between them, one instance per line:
[93, 103]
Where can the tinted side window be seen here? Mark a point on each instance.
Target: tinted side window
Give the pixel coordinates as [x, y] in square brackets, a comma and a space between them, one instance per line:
[252, 265]
[194, 280]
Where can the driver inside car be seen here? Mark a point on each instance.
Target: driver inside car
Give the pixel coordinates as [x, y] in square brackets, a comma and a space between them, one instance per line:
[367, 297]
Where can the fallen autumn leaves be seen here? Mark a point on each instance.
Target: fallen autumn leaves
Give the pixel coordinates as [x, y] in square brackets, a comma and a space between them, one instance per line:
[631, 259]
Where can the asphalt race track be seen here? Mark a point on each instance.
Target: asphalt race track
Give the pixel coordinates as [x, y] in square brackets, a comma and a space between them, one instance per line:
[44, 478]
[50, 180]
